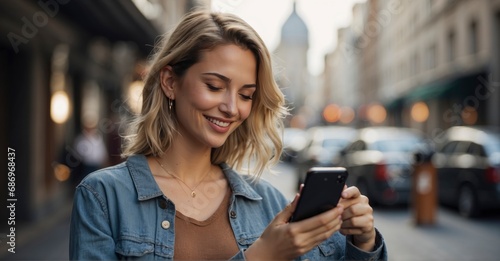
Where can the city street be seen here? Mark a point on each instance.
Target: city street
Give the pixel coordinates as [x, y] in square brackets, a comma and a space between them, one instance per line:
[404, 94]
[45, 240]
[451, 238]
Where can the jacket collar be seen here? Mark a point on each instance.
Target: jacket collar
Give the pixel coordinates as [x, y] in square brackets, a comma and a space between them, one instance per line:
[144, 183]
[240, 185]
[147, 188]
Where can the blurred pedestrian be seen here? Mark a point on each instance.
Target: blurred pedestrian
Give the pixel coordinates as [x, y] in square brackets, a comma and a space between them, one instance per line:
[210, 105]
[90, 149]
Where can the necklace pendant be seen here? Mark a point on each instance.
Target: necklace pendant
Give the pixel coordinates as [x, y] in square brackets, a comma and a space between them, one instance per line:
[193, 194]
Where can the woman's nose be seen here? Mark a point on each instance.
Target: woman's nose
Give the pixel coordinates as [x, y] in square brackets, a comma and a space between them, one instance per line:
[229, 105]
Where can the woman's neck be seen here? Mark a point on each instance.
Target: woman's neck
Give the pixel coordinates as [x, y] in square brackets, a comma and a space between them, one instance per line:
[189, 163]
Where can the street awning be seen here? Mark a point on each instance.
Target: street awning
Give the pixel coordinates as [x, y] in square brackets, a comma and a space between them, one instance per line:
[118, 20]
[452, 87]
[429, 92]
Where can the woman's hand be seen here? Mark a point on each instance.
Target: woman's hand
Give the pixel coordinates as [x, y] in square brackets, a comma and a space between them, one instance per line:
[285, 241]
[357, 219]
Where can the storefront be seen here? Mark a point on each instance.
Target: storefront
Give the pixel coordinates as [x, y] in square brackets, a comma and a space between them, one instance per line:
[456, 100]
[63, 61]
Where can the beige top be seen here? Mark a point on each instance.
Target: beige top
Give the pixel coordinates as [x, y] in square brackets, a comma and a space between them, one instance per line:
[211, 239]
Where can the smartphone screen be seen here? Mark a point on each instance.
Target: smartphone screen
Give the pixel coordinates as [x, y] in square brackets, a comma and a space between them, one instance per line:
[321, 192]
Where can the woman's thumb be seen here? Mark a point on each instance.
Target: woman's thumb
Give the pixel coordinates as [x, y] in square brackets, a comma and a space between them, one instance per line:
[287, 212]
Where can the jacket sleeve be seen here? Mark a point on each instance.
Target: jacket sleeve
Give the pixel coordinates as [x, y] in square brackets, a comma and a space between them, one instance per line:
[90, 233]
[379, 251]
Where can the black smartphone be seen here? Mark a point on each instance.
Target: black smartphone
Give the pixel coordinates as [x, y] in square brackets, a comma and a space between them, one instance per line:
[322, 189]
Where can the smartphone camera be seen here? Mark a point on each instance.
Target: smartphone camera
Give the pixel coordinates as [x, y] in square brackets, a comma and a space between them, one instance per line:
[340, 179]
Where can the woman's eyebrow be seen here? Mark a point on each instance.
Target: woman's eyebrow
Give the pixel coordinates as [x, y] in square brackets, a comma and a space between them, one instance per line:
[218, 75]
[227, 80]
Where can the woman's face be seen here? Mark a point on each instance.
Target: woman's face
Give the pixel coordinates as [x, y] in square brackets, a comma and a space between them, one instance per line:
[215, 95]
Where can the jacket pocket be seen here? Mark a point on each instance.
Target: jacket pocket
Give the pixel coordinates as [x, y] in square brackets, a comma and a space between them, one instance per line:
[133, 247]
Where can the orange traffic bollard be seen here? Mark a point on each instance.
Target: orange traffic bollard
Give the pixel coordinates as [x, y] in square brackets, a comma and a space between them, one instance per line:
[424, 191]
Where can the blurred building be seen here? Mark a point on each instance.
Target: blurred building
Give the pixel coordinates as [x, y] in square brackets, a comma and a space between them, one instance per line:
[341, 81]
[65, 63]
[367, 44]
[291, 60]
[445, 57]
[432, 64]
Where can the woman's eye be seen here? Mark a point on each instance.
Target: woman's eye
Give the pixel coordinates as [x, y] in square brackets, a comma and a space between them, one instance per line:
[246, 97]
[213, 88]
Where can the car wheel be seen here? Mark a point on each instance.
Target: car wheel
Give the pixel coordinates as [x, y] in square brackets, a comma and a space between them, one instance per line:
[467, 202]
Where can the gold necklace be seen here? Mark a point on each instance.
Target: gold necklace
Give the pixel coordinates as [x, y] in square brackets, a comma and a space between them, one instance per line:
[193, 191]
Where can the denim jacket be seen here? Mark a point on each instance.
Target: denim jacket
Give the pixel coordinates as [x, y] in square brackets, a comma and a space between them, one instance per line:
[120, 213]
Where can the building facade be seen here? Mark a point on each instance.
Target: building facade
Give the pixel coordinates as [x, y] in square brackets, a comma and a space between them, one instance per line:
[341, 81]
[440, 54]
[445, 54]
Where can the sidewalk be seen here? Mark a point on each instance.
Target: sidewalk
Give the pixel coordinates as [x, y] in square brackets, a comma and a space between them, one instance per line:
[46, 239]
[451, 238]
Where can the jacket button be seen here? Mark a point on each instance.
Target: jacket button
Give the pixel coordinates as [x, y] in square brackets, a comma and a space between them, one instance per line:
[165, 224]
[163, 204]
[233, 214]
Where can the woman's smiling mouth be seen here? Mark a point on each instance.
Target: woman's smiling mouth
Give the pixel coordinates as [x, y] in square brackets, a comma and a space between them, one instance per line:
[218, 122]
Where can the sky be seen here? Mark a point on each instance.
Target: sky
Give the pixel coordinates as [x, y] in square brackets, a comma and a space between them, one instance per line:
[322, 17]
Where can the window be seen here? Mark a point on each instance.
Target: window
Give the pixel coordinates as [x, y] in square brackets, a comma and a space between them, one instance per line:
[449, 148]
[462, 147]
[431, 57]
[413, 25]
[492, 147]
[473, 37]
[334, 144]
[476, 150]
[356, 146]
[403, 72]
[428, 7]
[451, 46]
[407, 144]
[414, 65]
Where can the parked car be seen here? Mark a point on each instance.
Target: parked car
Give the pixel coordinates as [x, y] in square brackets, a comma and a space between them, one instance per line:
[294, 140]
[380, 162]
[467, 162]
[323, 147]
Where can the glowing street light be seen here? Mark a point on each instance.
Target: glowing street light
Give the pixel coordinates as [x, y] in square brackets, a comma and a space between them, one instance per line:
[419, 112]
[376, 113]
[347, 115]
[59, 107]
[331, 113]
[135, 96]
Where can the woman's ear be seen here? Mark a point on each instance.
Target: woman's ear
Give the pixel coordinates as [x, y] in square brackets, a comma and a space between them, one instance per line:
[167, 81]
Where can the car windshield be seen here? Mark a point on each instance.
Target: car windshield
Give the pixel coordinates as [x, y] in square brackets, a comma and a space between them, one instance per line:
[397, 145]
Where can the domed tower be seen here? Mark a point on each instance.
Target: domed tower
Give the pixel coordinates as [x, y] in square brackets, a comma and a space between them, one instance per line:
[291, 58]
[294, 30]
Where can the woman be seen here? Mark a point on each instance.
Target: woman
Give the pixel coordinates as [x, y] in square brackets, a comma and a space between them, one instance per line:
[210, 104]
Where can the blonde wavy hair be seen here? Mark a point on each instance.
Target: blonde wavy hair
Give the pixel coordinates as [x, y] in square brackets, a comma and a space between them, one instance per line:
[257, 142]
